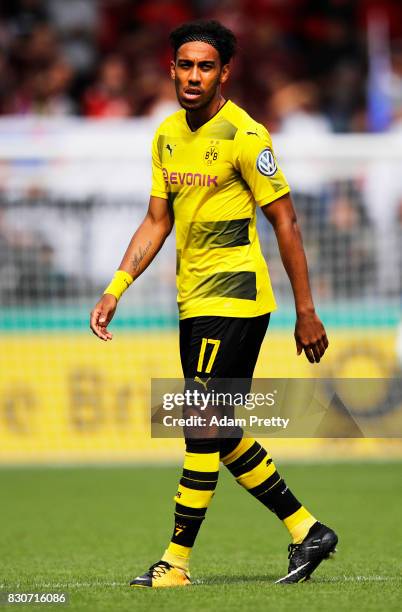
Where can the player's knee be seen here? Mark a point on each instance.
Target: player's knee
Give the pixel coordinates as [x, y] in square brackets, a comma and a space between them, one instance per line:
[229, 443]
[202, 445]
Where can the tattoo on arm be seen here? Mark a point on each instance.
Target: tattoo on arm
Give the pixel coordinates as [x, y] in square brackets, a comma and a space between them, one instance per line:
[138, 257]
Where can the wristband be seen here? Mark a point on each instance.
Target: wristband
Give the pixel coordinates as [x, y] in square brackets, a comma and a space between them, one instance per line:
[120, 282]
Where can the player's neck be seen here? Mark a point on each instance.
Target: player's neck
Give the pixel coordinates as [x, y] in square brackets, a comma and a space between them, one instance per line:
[197, 118]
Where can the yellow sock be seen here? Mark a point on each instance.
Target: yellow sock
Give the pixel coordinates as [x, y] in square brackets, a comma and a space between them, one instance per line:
[194, 494]
[299, 524]
[179, 556]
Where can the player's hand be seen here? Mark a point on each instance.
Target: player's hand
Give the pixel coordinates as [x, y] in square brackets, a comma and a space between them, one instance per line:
[310, 337]
[101, 316]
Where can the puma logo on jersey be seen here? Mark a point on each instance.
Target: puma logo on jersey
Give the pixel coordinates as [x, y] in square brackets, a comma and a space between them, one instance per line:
[169, 148]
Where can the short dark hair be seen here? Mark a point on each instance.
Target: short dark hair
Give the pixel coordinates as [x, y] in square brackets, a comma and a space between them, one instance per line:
[211, 32]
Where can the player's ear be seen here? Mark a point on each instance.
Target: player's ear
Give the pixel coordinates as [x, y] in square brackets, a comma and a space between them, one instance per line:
[173, 69]
[225, 73]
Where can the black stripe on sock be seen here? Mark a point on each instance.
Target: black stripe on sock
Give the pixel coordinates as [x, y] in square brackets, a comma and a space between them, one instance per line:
[202, 446]
[190, 512]
[280, 500]
[205, 476]
[186, 530]
[198, 485]
[227, 445]
[250, 465]
[248, 461]
[271, 481]
[285, 509]
[245, 456]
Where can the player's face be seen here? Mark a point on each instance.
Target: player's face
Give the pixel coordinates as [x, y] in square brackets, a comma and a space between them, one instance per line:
[198, 74]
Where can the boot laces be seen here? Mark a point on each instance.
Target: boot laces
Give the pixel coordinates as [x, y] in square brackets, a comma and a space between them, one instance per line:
[157, 570]
[292, 549]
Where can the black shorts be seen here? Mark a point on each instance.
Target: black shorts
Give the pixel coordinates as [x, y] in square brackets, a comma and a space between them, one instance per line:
[221, 347]
[219, 354]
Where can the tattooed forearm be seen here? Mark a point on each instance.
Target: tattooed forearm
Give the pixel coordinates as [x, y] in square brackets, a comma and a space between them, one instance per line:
[139, 256]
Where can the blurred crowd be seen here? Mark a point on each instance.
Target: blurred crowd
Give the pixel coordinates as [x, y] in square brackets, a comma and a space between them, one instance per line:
[49, 246]
[303, 67]
[302, 64]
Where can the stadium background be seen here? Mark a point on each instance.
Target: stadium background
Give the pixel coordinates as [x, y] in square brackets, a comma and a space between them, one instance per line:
[82, 87]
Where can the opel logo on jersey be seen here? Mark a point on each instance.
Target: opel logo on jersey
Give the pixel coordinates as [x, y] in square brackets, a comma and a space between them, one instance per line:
[266, 163]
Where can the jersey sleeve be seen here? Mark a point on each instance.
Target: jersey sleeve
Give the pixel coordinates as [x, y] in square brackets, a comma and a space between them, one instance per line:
[159, 187]
[256, 162]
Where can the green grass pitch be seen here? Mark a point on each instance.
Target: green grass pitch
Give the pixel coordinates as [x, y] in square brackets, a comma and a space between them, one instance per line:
[88, 531]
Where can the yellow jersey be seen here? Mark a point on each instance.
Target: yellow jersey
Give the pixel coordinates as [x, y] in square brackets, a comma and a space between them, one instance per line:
[213, 178]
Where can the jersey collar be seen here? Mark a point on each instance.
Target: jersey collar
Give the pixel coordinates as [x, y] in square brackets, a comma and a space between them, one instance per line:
[225, 105]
